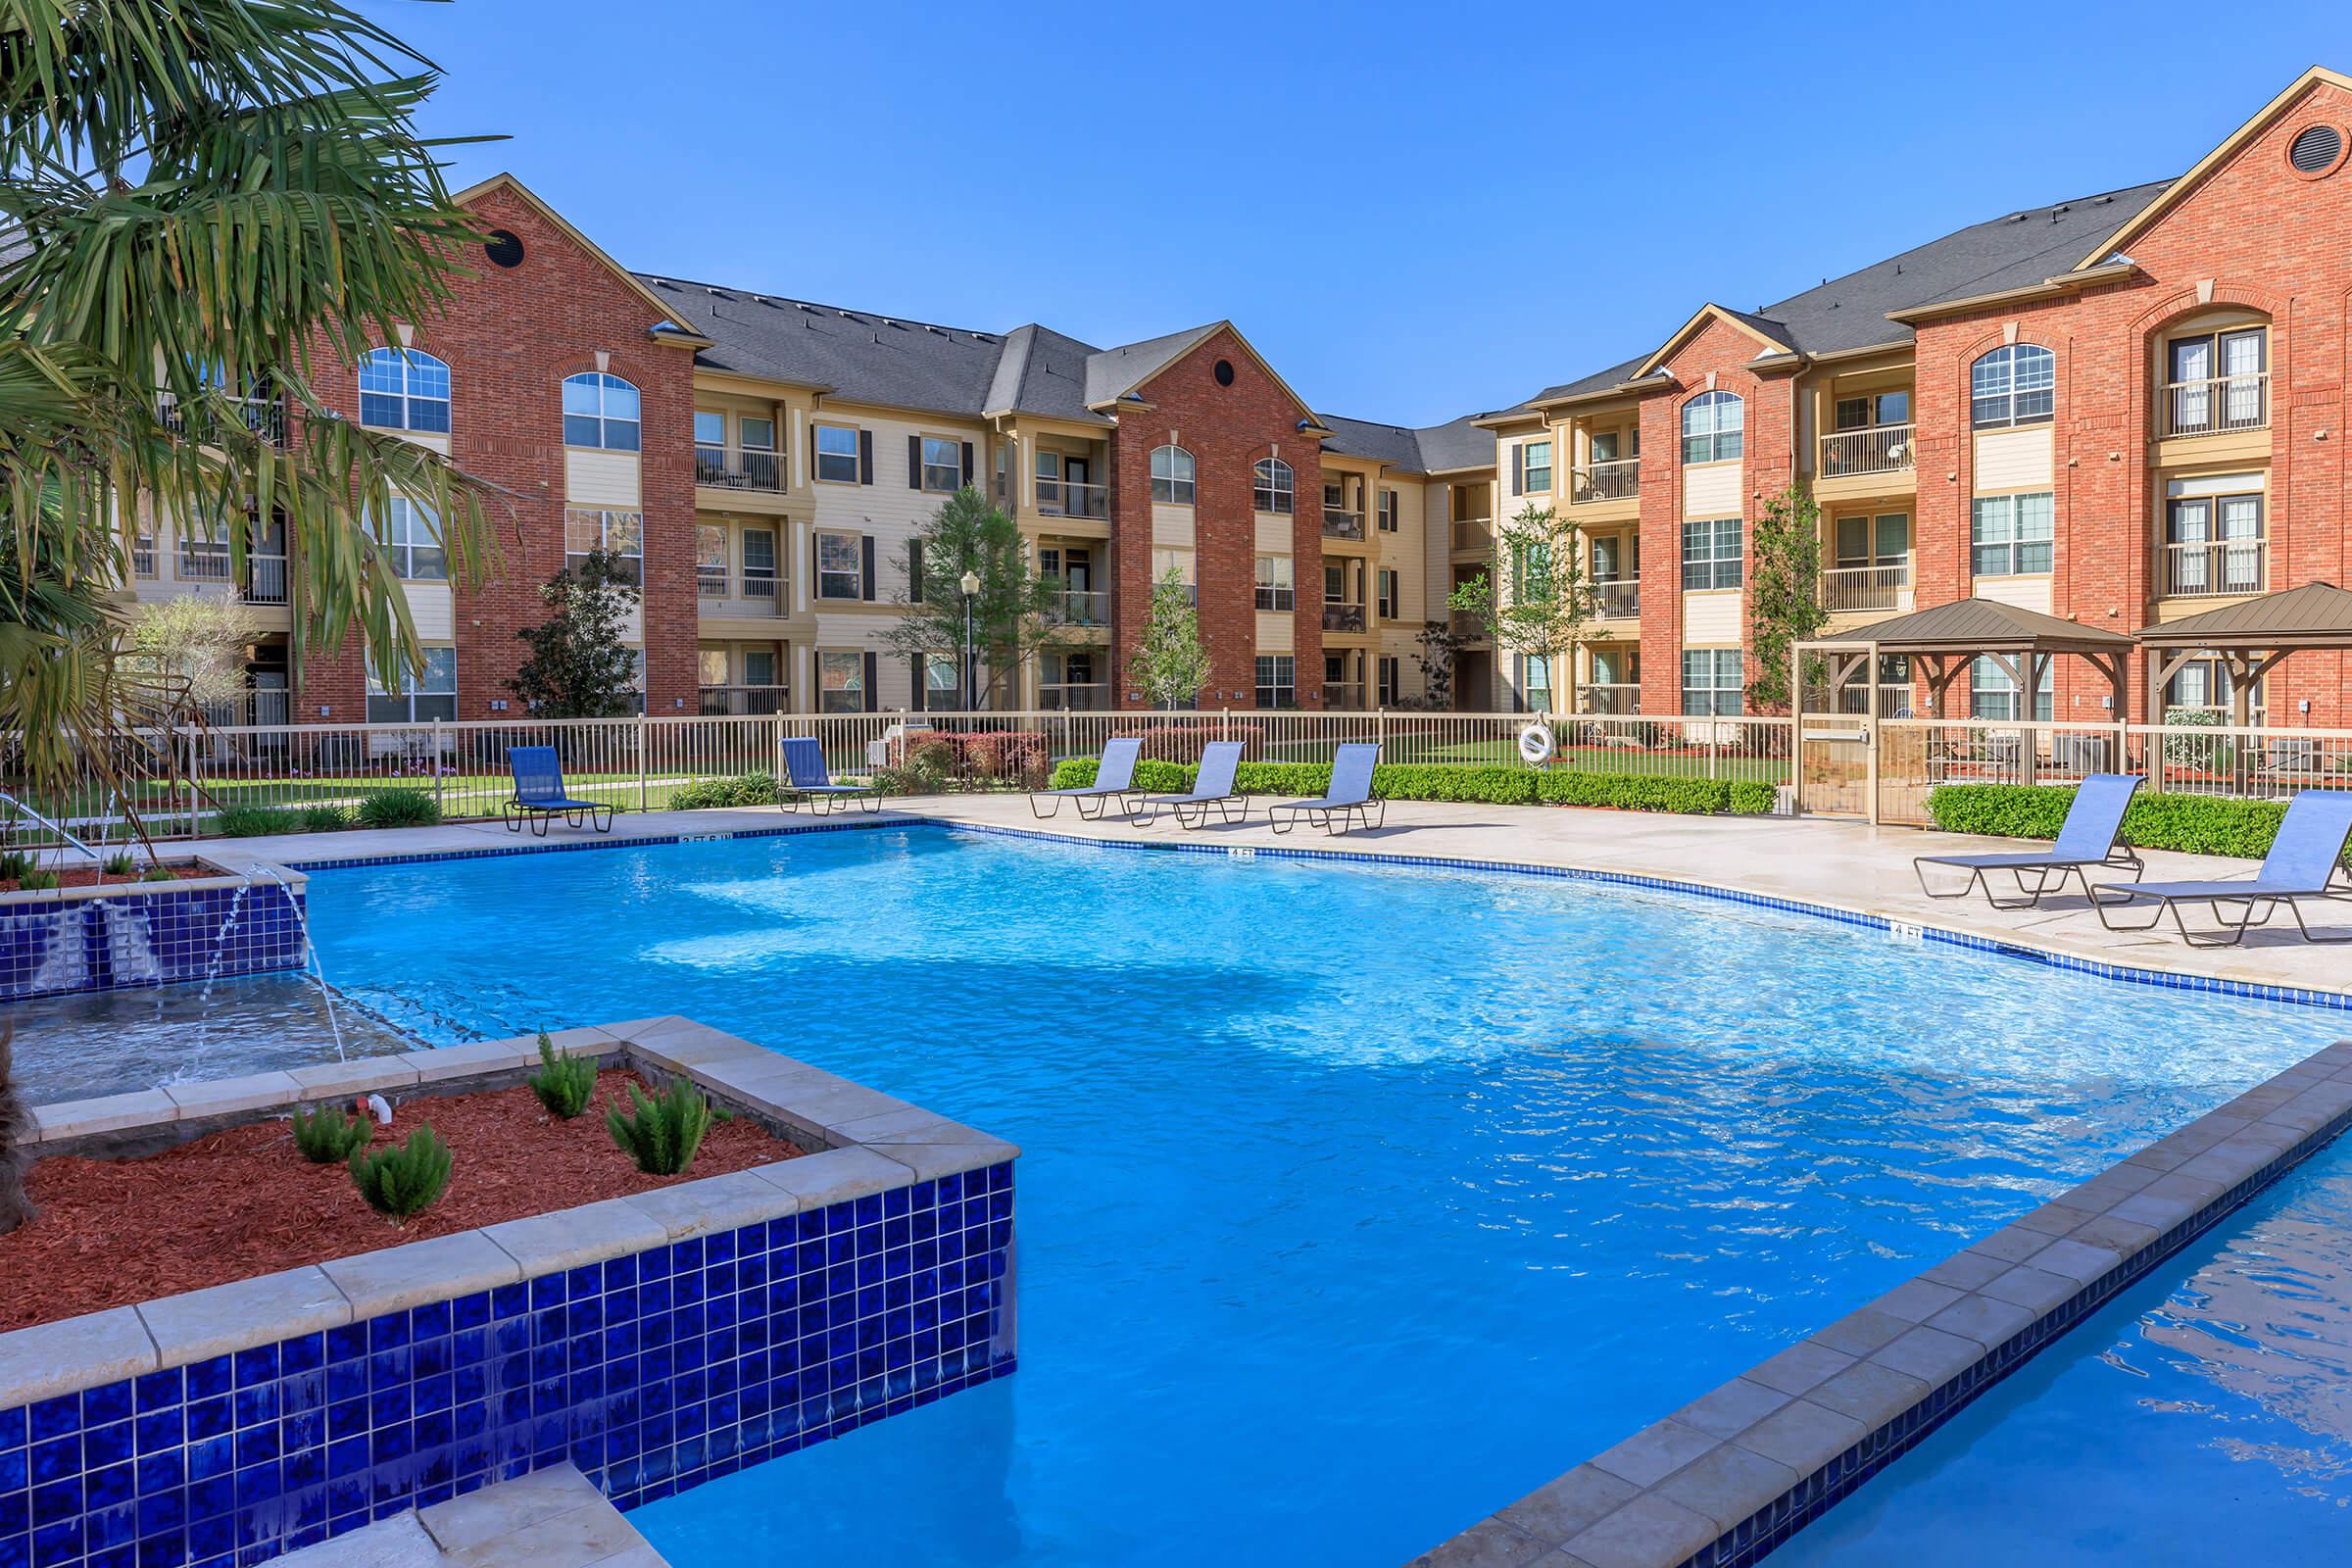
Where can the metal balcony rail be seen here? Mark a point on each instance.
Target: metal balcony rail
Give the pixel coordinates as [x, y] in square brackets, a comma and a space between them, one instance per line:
[1615, 479]
[1473, 533]
[2215, 406]
[1878, 449]
[737, 702]
[1074, 697]
[2211, 568]
[1069, 497]
[1080, 607]
[263, 417]
[1342, 617]
[1620, 699]
[1467, 623]
[1619, 598]
[737, 469]
[1878, 587]
[1343, 695]
[1338, 525]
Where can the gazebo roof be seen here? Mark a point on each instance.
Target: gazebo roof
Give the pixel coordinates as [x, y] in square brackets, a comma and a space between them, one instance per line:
[2317, 615]
[1984, 626]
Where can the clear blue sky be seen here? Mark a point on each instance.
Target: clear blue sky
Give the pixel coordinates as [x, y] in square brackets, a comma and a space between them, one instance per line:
[1413, 212]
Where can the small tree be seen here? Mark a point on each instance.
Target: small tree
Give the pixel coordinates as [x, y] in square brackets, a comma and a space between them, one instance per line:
[1016, 614]
[1784, 592]
[1169, 665]
[1438, 645]
[200, 639]
[578, 666]
[1542, 608]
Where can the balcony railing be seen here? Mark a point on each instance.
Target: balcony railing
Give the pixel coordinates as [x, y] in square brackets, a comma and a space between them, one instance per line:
[1474, 533]
[1342, 617]
[142, 557]
[1879, 449]
[1067, 498]
[1612, 698]
[1878, 587]
[1620, 600]
[201, 561]
[2210, 569]
[2216, 406]
[743, 701]
[1080, 607]
[737, 469]
[263, 417]
[1338, 525]
[1614, 481]
[711, 581]
[1468, 624]
[1343, 696]
[1074, 697]
[266, 579]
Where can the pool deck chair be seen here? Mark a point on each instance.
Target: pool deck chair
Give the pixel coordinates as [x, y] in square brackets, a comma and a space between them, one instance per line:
[1212, 789]
[2304, 863]
[1348, 799]
[2091, 837]
[539, 795]
[1114, 782]
[806, 783]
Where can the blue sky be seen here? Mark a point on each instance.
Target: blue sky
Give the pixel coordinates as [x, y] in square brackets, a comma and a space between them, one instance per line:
[1413, 212]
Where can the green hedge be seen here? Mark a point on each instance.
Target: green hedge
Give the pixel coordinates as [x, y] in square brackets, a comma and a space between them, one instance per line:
[751, 789]
[2196, 824]
[1485, 786]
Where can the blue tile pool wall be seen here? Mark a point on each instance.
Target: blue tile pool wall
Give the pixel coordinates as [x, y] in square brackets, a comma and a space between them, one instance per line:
[49, 947]
[652, 1372]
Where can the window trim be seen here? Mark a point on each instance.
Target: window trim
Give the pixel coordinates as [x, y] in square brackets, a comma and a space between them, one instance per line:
[954, 446]
[855, 688]
[1715, 435]
[818, 454]
[603, 516]
[1275, 582]
[402, 555]
[1267, 684]
[1528, 468]
[2014, 543]
[378, 690]
[1712, 706]
[2008, 354]
[1172, 491]
[856, 572]
[606, 385]
[1388, 507]
[1274, 487]
[409, 360]
[1718, 564]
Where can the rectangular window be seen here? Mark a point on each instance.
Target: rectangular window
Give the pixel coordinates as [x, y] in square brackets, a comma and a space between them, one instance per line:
[1391, 670]
[756, 435]
[1276, 589]
[711, 666]
[758, 563]
[621, 534]
[943, 464]
[2010, 536]
[840, 565]
[942, 684]
[1277, 681]
[840, 682]
[1872, 408]
[1712, 682]
[1387, 594]
[1992, 692]
[411, 540]
[399, 696]
[1388, 512]
[837, 454]
[709, 429]
[711, 561]
[1531, 572]
[1535, 682]
[1536, 467]
[1711, 554]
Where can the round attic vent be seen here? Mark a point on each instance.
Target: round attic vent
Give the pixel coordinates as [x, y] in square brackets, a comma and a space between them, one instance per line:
[2316, 150]
[1224, 372]
[502, 248]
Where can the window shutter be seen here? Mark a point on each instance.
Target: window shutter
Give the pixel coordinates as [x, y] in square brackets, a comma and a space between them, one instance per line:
[868, 543]
[914, 462]
[873, 697]
[1518, 470]
[915, 572]
[865, 457]
[967, 463]
[921, 699]
[816, 556]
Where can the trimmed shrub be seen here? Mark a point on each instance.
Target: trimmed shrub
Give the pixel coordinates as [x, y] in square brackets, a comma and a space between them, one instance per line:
[324, 820]
[329, 1137]
[2196, 824]
[157, 873]
[254, 821]
[404, 1180]
[562, 1083]
[712, 794]
[665, 1130]
[395, 807]
[14, 863]
[36, 882]
[1478, 785]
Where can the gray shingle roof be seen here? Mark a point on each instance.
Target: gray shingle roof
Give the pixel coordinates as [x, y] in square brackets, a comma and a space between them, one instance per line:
[1431, 448]
[1111, 373]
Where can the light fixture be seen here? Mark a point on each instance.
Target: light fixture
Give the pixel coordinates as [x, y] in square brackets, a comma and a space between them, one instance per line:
[971, 582]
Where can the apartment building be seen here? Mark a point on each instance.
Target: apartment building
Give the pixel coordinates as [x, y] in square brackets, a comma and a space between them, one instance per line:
[2121, 411]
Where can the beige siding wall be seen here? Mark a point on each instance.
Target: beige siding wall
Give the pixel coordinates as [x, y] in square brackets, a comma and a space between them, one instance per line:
[2013, 460]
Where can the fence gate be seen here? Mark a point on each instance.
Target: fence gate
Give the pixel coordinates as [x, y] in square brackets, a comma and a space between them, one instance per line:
[1836, 763]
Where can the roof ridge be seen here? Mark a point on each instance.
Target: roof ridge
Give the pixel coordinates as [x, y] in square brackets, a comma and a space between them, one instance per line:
[993, 334]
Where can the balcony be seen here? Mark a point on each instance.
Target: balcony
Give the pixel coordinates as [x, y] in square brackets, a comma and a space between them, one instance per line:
[1079, 606]
[1342, 617]
[2221, 404]
[1612, 698]
[1618, 479]
[1845, 589]
[1474, 533]
[1619, 600]
[1067, 498]
[1338, 525]
[737, 469]
[2214, 568]
[743, 701]
[1468, 624]
[1877, 449]
[203, 562]
[262, 416]
[1343, 695]
[762, 591]
[1073, 697]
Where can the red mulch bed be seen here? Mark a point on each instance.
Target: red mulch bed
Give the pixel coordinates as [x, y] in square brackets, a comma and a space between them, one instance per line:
[244, 1201]
[88, 876]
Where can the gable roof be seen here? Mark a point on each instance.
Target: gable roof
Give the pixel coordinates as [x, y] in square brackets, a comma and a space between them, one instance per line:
[1112, 374]
[2316, 614]
[1770, 334]
[1430, 449]
[628, 279]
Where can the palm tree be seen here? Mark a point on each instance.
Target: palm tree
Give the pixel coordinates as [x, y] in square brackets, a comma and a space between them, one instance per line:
[199, 200]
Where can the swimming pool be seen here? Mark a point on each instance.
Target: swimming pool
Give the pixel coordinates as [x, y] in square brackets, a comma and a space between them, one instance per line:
[1356, 1201]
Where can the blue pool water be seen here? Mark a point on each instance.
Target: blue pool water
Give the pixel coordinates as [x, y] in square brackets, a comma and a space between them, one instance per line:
[1355, 1201]
[2210, 1405]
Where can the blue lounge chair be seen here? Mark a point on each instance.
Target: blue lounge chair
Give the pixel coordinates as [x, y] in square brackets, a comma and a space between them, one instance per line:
[1348, 797]
[1212, 789]
[806, 783]
[1114, 780]
[2304, 862]
[2092, 835]
[539, 795]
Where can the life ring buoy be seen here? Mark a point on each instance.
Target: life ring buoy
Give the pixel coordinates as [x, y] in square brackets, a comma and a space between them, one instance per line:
[1535, 745]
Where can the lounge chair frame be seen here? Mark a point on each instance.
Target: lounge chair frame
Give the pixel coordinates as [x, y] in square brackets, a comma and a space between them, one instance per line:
[514, 810]
[1334, 816]
[2049, 867]
[1192, 810]
[2229, 935]
[820, 798]
[1100, 800]
[2283, 878]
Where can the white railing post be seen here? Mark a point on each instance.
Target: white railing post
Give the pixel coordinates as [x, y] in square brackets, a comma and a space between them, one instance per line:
[641, 788]
[440, 773]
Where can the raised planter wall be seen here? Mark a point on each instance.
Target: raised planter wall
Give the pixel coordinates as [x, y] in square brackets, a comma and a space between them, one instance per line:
[145, 934]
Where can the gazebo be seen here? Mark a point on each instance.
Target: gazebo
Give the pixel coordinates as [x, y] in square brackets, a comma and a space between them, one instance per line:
[1943, 640]
[2250, 638]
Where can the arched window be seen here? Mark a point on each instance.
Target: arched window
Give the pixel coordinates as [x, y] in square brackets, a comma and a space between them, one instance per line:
[1273, 485]
[599, 411]
[1172, 475]
[2015, 383]
[1714, 428]
[404, 389]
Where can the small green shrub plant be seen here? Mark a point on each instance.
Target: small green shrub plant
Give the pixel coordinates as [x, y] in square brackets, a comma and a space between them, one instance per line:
[1488, 785]
[120, 863]
[662, 1132]
[397, 806]
[323, 818]
[329, 1136]
[562, 1083]
[2194, 824]
[158, 873]
[711, 794]
[255, 821]
[404, 1180]
[14, 863]
[36, 882]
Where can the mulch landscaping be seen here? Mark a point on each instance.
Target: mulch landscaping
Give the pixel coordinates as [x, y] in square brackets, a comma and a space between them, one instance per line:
[89, 876]
[242, 1203]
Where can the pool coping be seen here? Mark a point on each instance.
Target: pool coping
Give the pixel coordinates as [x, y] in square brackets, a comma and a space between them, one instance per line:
[1731, 1476]
[217, 878]
[859, 1141]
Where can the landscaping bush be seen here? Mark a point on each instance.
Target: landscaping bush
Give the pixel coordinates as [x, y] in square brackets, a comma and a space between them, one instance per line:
[993, 757]
[157, 873]
[119, 863]
[2196, 824]
[562, 1083]
[254, 821]
[665, 1130]
[14, 863]
[712, 794]
[395, 807]
[325, 818]
[329, 1135]
[923, 769]
[36, 882]
[1487, 785]
[406, 1178]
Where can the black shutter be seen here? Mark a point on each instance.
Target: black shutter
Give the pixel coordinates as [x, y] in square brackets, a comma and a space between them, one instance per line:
[868, 543]
[865, 457]
[914, 462]
[967, 463]
[920, 700]
[816, 578]
[873, 697]
[1519, 471]
[915, 572]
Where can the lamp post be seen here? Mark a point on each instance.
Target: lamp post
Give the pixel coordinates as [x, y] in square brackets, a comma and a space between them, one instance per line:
[971, 675]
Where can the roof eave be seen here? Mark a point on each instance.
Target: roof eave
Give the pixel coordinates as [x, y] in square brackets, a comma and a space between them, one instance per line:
[2049, 288]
